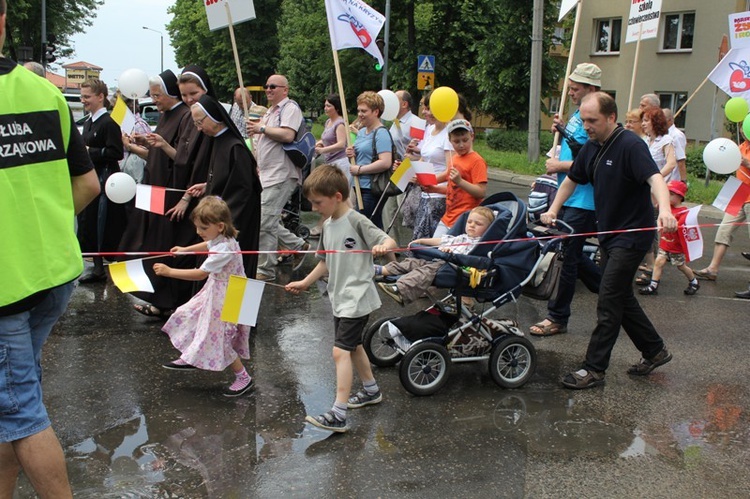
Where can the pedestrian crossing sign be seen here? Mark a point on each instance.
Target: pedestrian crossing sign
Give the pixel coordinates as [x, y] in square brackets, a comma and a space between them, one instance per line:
[426, 63]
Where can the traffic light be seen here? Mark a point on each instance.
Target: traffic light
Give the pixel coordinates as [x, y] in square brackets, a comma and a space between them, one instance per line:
[381, 45]
[49, 49]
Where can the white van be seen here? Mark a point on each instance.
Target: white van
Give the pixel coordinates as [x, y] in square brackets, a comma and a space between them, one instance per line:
[75, 105]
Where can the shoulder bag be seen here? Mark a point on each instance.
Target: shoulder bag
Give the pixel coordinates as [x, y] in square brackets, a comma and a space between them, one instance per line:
[380, 183]
[302, 149]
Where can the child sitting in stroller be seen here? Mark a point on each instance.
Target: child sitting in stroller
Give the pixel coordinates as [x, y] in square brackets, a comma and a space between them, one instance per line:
[417, 274]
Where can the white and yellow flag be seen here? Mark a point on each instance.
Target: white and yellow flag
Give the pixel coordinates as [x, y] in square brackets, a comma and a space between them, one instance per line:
[123, 116]
[130, 276]
[242, 300]
[354, 24]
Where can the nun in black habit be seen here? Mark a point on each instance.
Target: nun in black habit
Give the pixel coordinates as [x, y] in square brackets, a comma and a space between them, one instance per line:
[148, 231]
[232, 174]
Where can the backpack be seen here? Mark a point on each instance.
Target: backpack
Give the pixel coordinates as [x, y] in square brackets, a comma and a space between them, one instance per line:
[302, 149]
[380, 183]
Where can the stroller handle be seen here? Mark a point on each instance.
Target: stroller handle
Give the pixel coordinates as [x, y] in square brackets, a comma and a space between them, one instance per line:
[568, 229]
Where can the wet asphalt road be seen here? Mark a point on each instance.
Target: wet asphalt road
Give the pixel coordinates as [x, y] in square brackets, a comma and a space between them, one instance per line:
[130, 428]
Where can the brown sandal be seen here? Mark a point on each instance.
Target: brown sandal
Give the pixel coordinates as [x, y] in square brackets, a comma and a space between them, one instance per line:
[551, 329]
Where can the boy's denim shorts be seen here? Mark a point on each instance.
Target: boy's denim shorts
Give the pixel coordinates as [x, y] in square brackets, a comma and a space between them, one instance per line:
[22, 336]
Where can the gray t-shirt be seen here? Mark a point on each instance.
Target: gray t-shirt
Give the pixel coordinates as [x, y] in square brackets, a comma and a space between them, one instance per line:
[350, 286]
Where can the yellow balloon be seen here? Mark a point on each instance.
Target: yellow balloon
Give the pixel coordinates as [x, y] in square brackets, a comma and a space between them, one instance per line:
[444, 104]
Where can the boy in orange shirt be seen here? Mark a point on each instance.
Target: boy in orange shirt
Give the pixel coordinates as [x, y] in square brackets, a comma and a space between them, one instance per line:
[467, 174]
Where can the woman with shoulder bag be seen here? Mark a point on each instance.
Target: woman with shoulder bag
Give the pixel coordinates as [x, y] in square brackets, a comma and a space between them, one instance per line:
[369, 108]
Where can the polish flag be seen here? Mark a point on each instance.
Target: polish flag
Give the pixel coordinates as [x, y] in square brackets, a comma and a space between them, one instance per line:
[425, 172]
[690, 233]
[417, 128]
[150, 198]
[732, 196]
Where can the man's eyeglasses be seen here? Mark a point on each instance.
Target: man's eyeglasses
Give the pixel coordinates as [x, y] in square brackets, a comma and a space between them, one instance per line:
[273, 86]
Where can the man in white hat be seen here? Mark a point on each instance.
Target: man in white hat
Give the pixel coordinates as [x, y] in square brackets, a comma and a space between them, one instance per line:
[578, 211]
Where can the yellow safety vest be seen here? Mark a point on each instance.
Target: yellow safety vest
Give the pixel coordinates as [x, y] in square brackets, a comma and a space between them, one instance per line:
[38, 246]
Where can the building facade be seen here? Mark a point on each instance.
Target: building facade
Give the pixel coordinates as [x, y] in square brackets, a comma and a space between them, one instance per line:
[672, 65]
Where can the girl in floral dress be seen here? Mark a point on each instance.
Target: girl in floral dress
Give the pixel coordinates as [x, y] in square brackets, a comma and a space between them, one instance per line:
[195, 328]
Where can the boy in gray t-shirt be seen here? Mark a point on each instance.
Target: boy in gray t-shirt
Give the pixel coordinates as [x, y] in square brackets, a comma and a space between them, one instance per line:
[350, 287]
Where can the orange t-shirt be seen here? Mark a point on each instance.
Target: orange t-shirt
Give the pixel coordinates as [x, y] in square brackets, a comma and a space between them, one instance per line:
[473, 169]
[743, 172]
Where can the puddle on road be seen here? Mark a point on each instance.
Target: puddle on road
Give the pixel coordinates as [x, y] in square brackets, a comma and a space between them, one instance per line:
[184, 440]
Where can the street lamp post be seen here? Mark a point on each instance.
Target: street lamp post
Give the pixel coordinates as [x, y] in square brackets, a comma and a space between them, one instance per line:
[161, 35]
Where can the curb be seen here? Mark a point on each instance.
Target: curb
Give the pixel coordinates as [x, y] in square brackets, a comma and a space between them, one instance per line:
[707, 211]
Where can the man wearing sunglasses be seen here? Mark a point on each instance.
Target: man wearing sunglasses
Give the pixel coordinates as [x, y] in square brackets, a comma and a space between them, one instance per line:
[278, 175]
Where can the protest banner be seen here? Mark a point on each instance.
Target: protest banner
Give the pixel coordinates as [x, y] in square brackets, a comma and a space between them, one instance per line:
[739, 30]
[643, 23]
[227, 13]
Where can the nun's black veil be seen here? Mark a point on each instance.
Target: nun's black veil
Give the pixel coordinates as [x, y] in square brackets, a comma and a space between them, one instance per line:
[201, 74]
[216, 112]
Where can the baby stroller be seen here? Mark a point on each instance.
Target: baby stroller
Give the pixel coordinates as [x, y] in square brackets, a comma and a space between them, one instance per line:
[290, 214]
[428, 343]
[292, 211]
[541, 196]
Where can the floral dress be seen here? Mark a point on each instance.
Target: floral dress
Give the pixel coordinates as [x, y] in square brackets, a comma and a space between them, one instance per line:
[196, 328]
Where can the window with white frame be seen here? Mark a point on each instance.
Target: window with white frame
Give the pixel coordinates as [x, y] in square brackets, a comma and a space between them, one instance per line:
[677, 31]
[607, 35]
[674, 101]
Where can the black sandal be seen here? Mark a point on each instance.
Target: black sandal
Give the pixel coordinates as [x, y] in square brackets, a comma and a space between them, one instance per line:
[644, 279]
[151, 311]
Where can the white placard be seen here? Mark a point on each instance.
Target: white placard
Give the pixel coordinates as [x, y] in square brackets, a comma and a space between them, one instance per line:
[242, 10]
[739, 30]
[643, 13]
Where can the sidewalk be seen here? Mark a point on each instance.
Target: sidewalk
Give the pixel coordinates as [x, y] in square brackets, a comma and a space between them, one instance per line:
[707, 211]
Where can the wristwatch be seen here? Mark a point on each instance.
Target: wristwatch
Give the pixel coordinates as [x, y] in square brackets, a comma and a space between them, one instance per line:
[263, 129]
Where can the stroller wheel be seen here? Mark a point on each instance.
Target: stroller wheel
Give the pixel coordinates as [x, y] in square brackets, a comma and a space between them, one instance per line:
[303, 231]
[512, 362]
[379, 345]
[425, 368]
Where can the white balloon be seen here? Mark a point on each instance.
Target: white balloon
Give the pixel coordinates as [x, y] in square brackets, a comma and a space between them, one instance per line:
[133, 83]
[391, 105]
[722, 156]
[120, 187]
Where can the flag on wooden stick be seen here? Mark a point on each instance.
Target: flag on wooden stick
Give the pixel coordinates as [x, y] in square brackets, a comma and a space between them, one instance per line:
[690, 233]
[354, 24]
[242, 300]
[150, 198]
[417, 128]
[123, 116]
[425, 172]
[130, 276]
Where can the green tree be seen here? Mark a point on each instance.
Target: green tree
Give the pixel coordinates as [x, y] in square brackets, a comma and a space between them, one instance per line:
[307, 59]
[64, 19]
[257, 44]
[500, 72]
